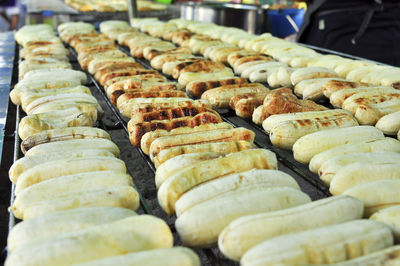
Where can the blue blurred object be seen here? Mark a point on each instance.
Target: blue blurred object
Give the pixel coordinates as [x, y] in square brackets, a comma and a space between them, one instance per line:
[280, 25]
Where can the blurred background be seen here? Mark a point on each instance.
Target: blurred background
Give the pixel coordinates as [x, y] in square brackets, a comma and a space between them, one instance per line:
[282, 18]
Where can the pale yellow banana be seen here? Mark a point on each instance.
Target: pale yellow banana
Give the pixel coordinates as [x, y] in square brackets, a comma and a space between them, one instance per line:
[310, 145]
[376, 195]
[326, 245]
[376, 145]
[132, 234]
[58, 168]
[53, 224]
[200, 225]
[175, 186]
[167, 257]
[248, 231]
[74, 145]
[64, 185]
[63, 134]
[175, 164]
[116, 196]
[235, 182]
[360, 173]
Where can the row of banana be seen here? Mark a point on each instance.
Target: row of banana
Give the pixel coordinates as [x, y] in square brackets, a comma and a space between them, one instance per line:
[239, 210]
[73, 194]
[361, 136]
[370, 102]
[292, 54]
[312, 132]
[112, 5]
[202, 169]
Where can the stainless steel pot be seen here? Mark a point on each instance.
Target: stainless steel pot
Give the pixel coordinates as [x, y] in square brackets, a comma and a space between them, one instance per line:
[251, 18]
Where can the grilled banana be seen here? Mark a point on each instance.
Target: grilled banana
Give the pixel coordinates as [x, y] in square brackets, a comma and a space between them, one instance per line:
[286, 133]
[149, 137]
[219, 147]
[274, 120]
[211, 136]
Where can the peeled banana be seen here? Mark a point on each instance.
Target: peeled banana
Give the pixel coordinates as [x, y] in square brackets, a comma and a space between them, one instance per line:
[131, 234]
[234, 182]
[27, 162]
[74, 145]
[391, 217]
[115, 196]
[58, 168]
[63, 134]
[200, 225]
[329, 168]
[359, 173]
[386, 257]
[63, 185]
[175, 186]
[310, 145]
[389, 124]
[376, 195]
[175, 164]
[53, 224]
[167, 257]
[325, 245]
[248, 231]
[376, 145]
